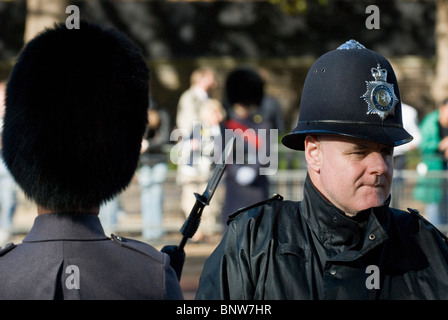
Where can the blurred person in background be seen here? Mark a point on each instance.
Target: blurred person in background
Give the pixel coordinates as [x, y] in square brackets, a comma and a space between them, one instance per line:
[153, 171]
[199, 151]
[431, 188]
[401, 153]
[202, 81]
[270, 109]
[411, 124]
[8, 189]
[191, 102]
[244, 91]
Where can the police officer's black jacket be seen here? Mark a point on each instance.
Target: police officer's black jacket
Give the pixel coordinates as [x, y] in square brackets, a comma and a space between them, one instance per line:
[68, 256]
[311, 250]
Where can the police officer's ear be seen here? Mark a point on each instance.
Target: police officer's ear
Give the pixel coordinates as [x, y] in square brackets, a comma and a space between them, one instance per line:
[313, 153]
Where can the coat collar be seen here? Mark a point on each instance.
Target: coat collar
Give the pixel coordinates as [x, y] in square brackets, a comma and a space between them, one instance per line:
[339, 233]
[66, 226]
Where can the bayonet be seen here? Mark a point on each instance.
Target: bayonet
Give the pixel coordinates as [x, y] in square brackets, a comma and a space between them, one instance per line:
[191, 225]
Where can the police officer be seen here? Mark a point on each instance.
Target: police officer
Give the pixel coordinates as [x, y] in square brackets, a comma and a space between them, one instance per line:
[342, 241]
[75, 115]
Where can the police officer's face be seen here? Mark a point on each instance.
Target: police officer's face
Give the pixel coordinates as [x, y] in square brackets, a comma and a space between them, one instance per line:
[351, 173]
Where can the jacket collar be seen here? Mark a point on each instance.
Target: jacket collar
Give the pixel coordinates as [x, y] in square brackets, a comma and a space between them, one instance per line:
[66, 226]
[339, 233]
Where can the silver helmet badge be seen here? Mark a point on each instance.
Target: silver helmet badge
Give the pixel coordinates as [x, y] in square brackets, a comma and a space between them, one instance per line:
[380, 95]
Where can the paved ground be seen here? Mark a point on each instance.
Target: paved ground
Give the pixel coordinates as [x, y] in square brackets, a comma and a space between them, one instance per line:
[130, 226]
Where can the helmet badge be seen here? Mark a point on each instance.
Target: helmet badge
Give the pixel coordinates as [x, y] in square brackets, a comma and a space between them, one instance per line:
[380, 95]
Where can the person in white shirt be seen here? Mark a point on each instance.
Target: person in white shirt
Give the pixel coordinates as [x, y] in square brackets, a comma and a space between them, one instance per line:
[202, 81]
[410, 123]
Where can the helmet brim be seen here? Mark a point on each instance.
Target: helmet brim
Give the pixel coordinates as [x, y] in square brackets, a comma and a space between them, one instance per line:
[392, 136]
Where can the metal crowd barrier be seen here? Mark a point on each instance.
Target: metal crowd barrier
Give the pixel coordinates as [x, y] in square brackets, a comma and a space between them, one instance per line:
[288, 183]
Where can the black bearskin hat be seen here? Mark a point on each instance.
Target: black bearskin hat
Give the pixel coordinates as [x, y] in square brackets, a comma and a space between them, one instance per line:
[244, 86]
[76, 111]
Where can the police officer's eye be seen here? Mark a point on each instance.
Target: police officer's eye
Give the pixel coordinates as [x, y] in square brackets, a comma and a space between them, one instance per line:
[387, 151]
[360, 150]
[358, 153]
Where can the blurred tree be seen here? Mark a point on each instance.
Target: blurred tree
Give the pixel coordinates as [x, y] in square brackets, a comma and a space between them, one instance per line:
[295, 6]
[440, 84]
[41, 14]
[258, 31]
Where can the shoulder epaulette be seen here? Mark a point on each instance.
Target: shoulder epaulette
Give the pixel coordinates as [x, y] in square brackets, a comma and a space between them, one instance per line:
[139, 246]
[416, 213]
[275, 197]
[6, 248]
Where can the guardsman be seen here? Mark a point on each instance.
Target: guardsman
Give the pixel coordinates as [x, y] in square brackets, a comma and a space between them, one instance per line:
[76, 105]
[342, 241]
[244, 181]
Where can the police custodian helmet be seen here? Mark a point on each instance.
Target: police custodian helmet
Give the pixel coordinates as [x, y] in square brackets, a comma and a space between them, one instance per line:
[350, 91]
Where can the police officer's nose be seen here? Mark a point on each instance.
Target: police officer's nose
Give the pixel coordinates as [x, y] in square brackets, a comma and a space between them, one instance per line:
[378, 163]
